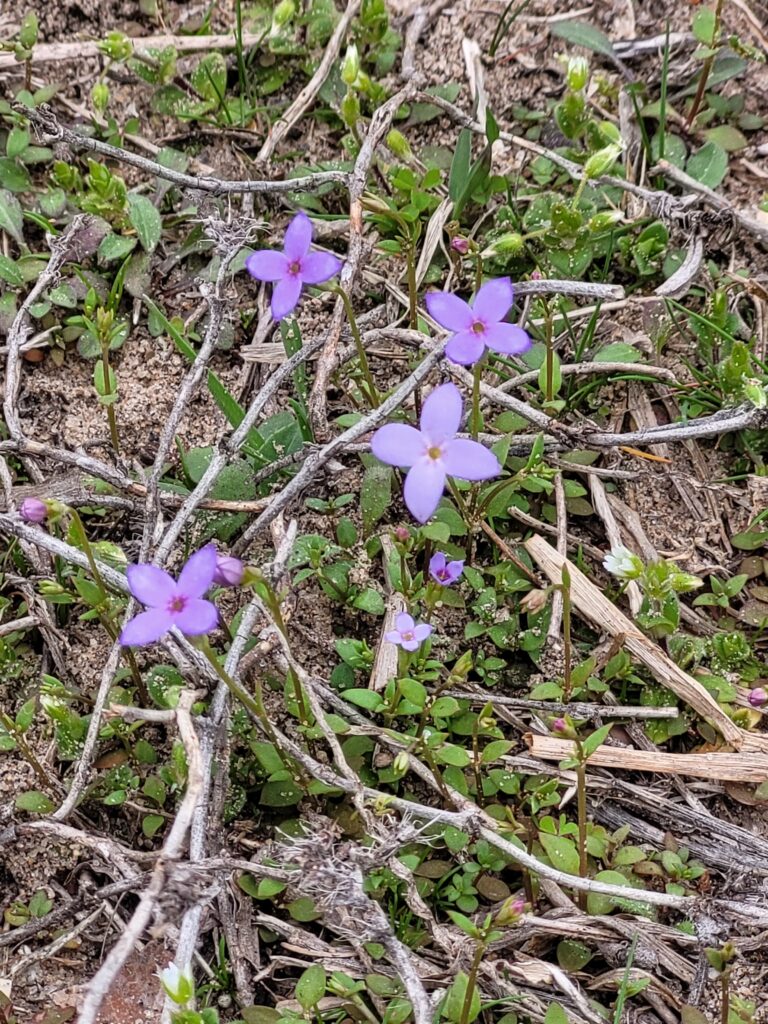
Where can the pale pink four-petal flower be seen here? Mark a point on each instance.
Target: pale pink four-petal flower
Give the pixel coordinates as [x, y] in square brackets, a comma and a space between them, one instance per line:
[433, 452]
[480, 325]
[292, 268]
[408, 634]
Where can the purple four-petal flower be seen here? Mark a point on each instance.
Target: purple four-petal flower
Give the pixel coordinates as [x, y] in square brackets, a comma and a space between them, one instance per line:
[480, 325]
[433, 452]
[444, 572]
[407, 634]
[292, 268]
[172, 602]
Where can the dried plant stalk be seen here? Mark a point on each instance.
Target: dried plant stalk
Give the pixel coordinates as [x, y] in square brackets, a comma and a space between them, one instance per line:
[730, 767]
[590, 601]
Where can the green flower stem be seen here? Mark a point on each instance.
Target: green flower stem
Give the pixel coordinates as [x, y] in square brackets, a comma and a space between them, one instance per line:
[706, 68]
[46, 781]
[477, 374]
[581, 813]
[477, 959]
[273, 604]
[413, 288]
[111, 414]
[478, 272]
[565, 587]
[373, 394]
[479, 799]
[549, 387]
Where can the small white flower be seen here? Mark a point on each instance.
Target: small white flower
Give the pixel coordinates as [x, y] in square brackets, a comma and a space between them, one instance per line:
[620, 562]
[177, 984]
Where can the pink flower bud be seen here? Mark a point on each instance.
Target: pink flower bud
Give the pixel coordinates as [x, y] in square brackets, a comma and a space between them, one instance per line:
[229, 571]
[33, 510]
[757, 697]
[560, 725]
[460, 245]
[402, 534]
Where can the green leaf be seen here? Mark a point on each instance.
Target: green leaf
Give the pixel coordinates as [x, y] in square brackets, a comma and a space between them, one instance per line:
[310, 988]
[151, 824]
[114, 247]
[581, 33]
[750, 540]
[709, 164]
[562, 852]
[453, 1003]
[597, 903]
[371, 601]
[13, 176]
[17, 142]
[209, 79]
[727, 137]
[361, 698]
[591, 743]
[460, 164]
[11, 216]
[494, 750]
[144, 217]
[35, 802]
[618, 352]
[10, 273]
[555, 1014]
[282, 793]
[260, 1015]
[375, 495]
[573, 956]
[704, 25]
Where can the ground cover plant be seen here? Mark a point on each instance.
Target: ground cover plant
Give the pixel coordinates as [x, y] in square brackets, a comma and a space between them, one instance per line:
[384, 589]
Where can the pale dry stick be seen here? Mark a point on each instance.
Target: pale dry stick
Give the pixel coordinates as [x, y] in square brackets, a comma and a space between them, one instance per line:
[100, 984]
[678, 283]
[580, 289]
[725, 421]
[591, 603]
[751, 767]
[112, 852]
[386, 658]
[539, 419]
[585, 369]
[61, 251]
[26, 622]
[556, 618]
[233, 444]
[45, 121]
[603, 508]
[317, 460]
[380, 124]
[306, 97]
[48, 53]
[216, 302]
[541, 527]
[575, 709]
[712, 198]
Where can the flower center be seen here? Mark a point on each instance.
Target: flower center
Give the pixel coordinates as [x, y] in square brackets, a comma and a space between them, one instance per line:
[408, 635]
[478, 327]
[434, 452]
[177, 604]
[442, 574]
[295, 267]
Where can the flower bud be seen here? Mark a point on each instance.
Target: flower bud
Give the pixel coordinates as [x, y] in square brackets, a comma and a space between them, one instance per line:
[398, 143]
[758, 696]
[534, 601]
[100, 97]
[401, 763]
[177, 984]
[350, 110]
[28, 31]
[229, 571]
[508, 245]
[564, 728]
[577, 73]
[755, 393]
[33, 510]
[604, 220]
[283, 13]
[511, 910]
[402, 534]
[602, 161]
[117, 46]
[350, 66]
[460, 245]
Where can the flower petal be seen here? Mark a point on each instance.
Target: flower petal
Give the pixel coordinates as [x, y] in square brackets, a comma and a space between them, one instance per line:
[507, 338]
[298, 237]
[466, 347]
[197, 617]
[397, 444]
[422, 631]
[470, 460]
[197, 575]
[150, 584]
[494, 300]
[423, 489]
[455, 569]
[267, 265]
[409, 645]
[392, 636]
[404, 621]
[449, 310]
[437, 562]
[285, 295]
[145, 628]
[317, 267]
[441, 413]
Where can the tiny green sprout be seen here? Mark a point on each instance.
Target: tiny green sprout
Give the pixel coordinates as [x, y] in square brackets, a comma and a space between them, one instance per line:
[117, 46]
[577, 73]
[602, 161]
[28, 31]
[100, 97]
[350, 66]
[399, 145]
